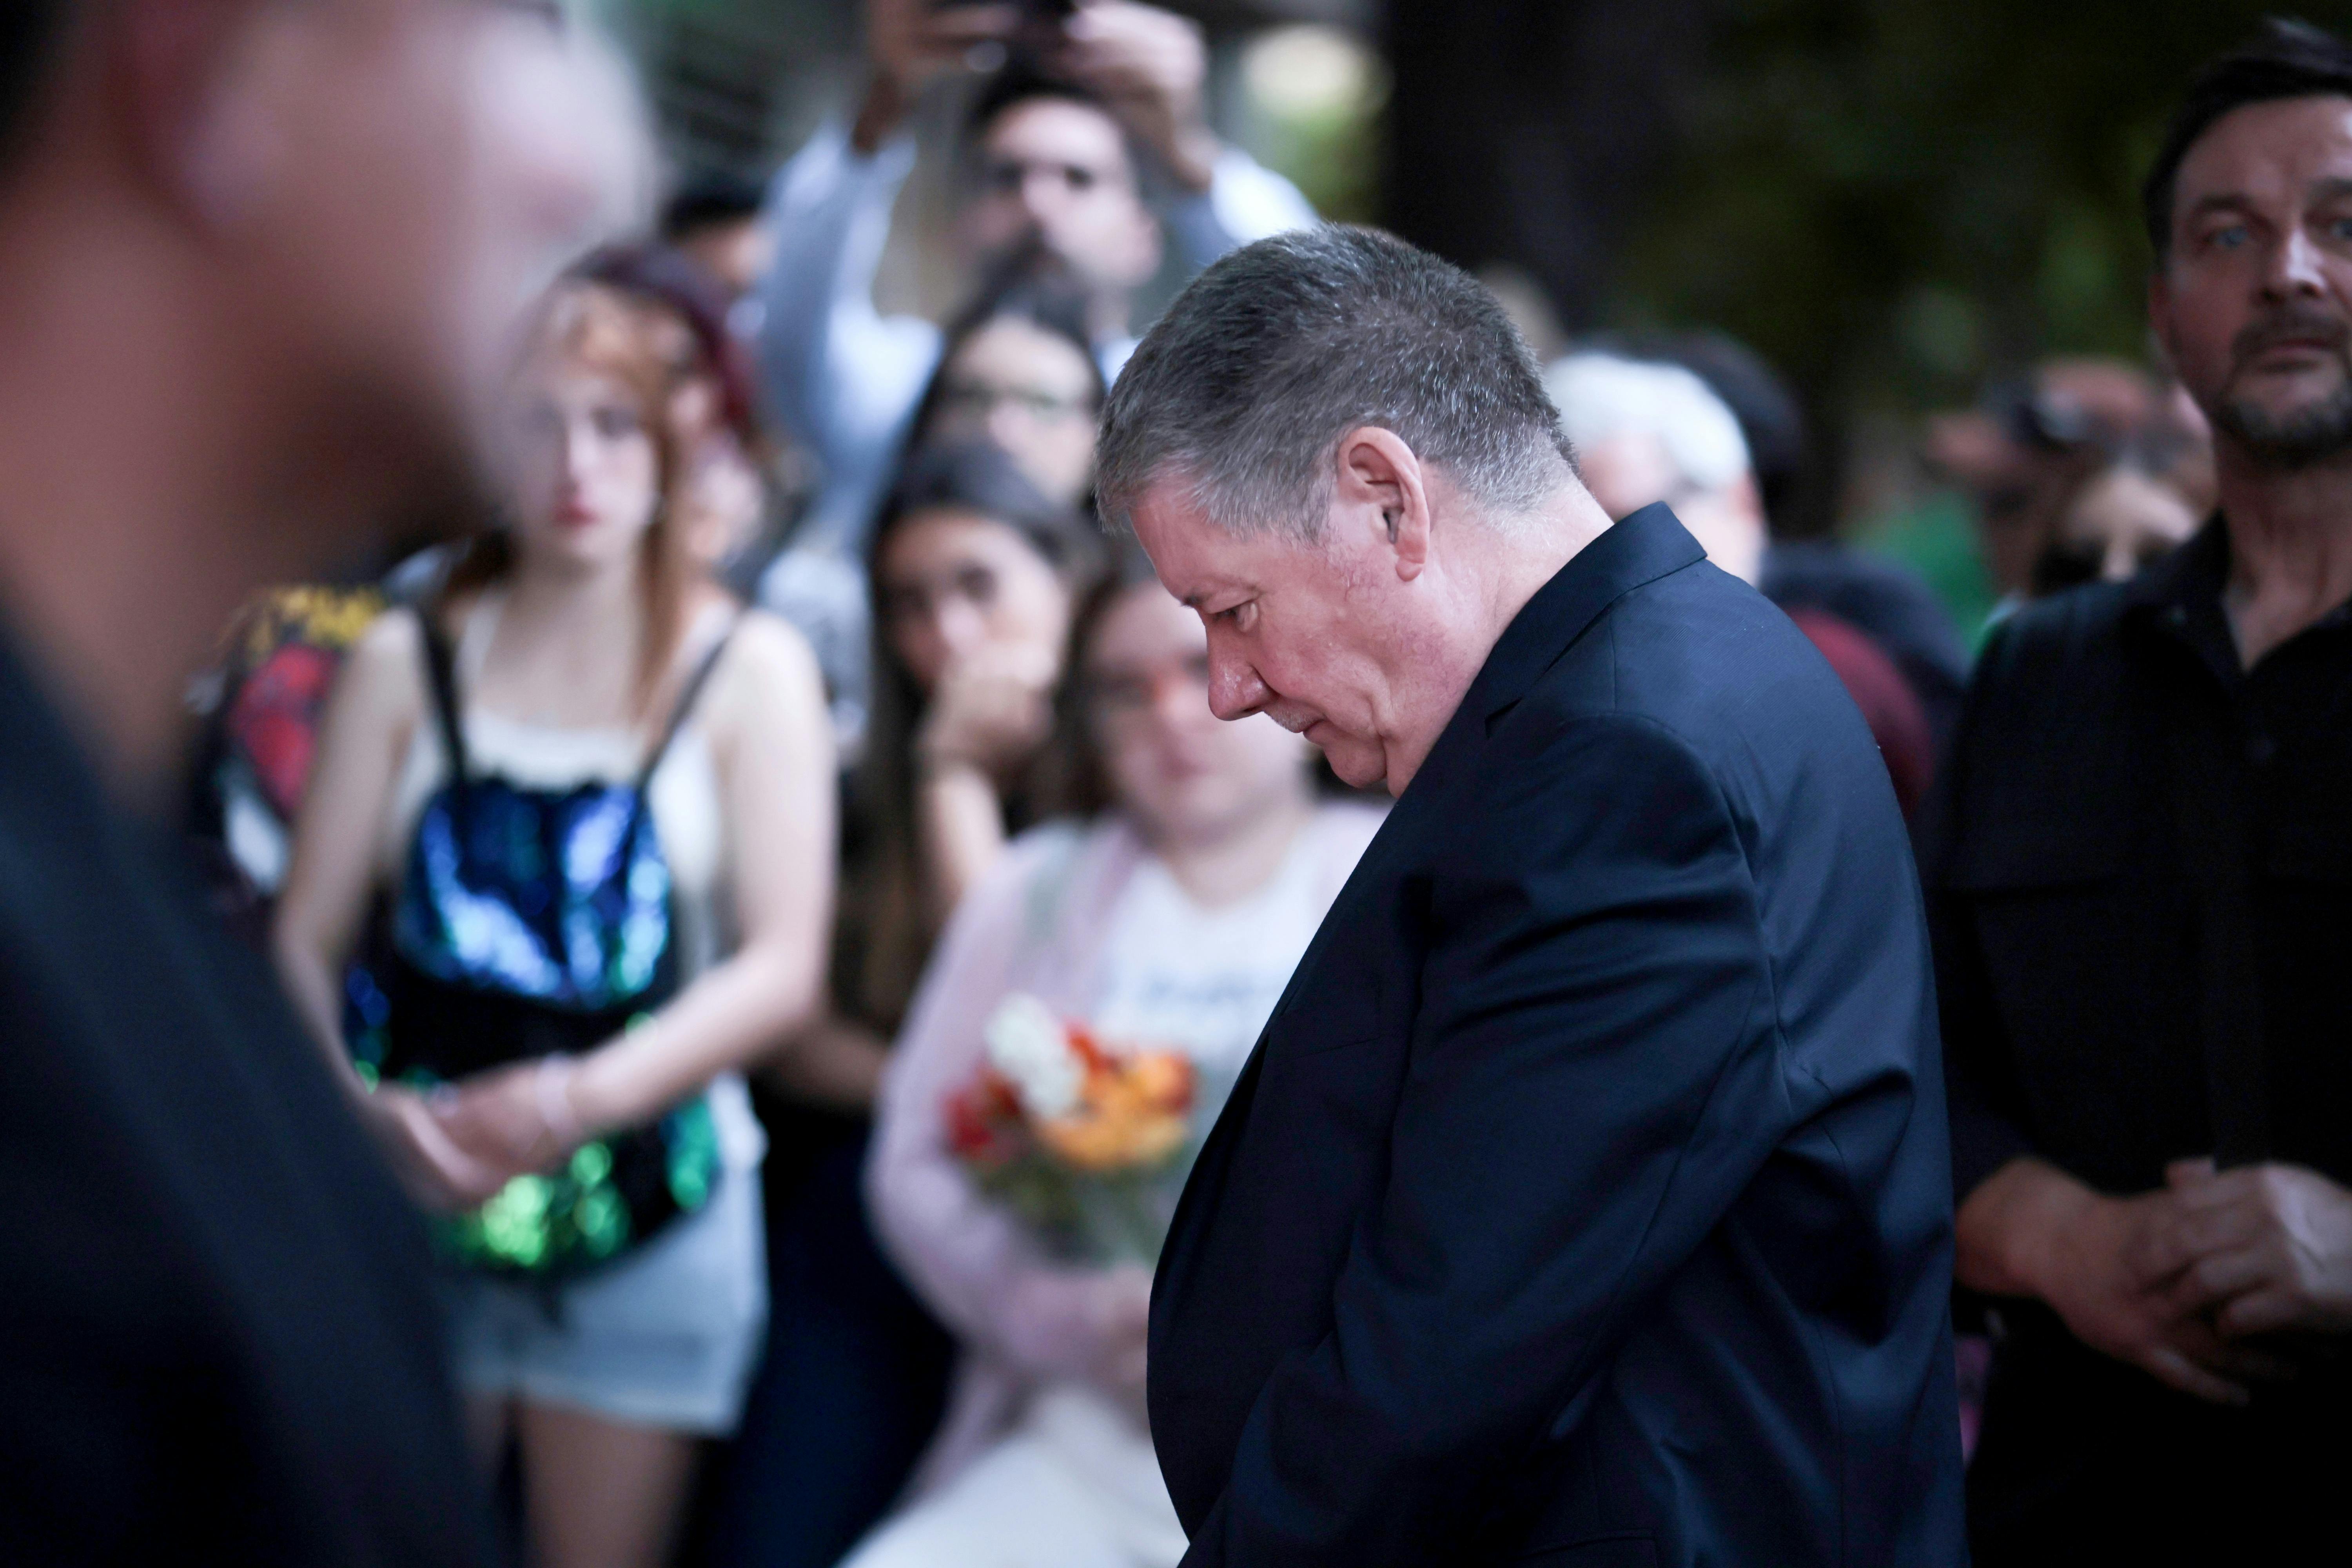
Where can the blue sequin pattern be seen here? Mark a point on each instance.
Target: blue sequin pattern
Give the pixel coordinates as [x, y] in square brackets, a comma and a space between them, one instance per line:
[559, 901]
[561, 897]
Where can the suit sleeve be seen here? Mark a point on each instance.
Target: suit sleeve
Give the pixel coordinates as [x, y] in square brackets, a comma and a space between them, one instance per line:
[1594, 1081]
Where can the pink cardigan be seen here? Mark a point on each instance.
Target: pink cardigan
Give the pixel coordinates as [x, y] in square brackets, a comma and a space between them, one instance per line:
[1036, 923]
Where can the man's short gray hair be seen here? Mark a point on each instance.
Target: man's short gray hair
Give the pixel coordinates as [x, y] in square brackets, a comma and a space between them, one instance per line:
[1244, 389]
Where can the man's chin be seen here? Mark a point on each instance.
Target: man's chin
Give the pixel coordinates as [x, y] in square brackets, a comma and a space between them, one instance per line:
[1359, 764]
[2289, 431]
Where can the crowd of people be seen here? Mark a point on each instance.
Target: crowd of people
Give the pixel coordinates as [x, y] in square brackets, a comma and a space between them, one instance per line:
[666, 838]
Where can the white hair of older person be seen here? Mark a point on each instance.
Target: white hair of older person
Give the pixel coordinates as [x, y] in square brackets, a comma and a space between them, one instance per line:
[1647, 432]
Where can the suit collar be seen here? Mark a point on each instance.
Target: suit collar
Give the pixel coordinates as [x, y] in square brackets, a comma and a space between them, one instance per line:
[1645, 546]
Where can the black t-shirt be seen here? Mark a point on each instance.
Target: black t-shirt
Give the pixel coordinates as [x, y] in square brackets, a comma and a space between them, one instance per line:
[218, 1339]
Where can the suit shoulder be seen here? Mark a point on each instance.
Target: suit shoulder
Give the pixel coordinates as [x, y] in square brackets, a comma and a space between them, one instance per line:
[1703, 654]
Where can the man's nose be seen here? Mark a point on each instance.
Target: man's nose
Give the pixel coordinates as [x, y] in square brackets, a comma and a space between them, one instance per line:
[1234, 690]
[2294, 269]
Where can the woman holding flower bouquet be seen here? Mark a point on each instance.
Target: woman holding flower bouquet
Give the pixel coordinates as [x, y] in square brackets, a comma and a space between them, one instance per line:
[1087, 1009]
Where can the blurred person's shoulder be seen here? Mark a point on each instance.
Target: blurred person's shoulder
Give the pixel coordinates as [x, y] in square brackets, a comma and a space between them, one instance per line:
[766, 662]
[2042, 637]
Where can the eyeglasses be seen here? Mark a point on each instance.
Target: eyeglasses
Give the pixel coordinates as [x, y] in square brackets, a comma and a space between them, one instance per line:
[974, 401]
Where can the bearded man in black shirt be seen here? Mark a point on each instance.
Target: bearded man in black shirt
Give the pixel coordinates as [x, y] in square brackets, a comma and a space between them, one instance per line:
[2141, 889]
[244, 248]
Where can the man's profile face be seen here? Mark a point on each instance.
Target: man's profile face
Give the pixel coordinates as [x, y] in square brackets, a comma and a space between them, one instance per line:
[1307, 633]
[2254, 303]
[1060, 170]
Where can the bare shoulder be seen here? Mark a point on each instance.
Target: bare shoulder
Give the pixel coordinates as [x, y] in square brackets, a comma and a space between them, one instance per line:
[767, 677]
[385, 665]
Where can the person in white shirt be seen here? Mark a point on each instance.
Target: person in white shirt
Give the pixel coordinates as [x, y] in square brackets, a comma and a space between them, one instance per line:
[1067, 147]
[1171, 919]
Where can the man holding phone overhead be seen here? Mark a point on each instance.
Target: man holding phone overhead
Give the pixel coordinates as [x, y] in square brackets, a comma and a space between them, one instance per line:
[1091, 110]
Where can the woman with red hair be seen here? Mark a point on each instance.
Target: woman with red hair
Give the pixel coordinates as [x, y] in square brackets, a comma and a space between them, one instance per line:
[597, 798]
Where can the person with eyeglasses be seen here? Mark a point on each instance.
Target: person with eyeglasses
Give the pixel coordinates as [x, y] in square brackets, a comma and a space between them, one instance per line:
[1086, 138]
[974, 576]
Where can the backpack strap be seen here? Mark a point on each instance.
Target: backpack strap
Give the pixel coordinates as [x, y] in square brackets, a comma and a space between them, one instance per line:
[441, 686]
[682, 708]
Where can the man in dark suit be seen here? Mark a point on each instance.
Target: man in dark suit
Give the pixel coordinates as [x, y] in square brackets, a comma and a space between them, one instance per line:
[240, 263]
[1586, 1200]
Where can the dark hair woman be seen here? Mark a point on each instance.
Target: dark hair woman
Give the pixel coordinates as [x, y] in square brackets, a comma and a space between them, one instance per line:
[1169, 911]
[598, 800]
[974, 574]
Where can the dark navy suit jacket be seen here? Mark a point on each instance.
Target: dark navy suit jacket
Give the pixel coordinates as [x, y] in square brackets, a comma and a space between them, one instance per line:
[1586, 1200]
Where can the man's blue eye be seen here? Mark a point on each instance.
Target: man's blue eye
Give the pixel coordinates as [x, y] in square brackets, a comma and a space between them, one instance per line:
[2228, 238]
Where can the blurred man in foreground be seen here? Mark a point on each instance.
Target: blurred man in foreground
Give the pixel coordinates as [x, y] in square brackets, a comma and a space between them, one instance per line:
[1585, 1198]
[2142, 897]
[251, 257]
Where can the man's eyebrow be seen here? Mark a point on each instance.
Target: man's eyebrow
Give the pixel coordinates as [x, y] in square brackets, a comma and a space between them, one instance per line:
[2330, 188]
[2231, 201]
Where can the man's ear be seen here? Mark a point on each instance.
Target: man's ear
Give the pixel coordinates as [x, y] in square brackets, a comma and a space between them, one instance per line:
[1382, 482]
[183, 75]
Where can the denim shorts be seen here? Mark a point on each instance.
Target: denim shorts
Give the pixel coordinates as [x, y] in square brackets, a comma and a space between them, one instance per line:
[667, 1337]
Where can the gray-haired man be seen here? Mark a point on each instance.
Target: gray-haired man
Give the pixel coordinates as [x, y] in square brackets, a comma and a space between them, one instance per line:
[1586, 1198]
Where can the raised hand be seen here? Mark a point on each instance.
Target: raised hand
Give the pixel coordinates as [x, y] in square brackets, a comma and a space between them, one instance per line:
[1149, 65]
[910, 45]
[993, 709]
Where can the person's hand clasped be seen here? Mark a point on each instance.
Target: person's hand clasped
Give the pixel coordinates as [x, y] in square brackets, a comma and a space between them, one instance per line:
[2098, 1262]
[993, 709]
[2262, 1249]
[515, 1120]
[437, 1172]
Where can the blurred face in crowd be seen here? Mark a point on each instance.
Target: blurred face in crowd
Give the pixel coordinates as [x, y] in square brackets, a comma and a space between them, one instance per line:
[1060, 170]
[1631, 469]
[1029, 393]
[953, 582]
[2254, 303]
[587, 470]
[1181, 775]
[2121, 522]
[736, 252]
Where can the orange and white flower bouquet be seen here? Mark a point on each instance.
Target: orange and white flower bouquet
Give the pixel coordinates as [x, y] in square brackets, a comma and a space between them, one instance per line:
[1083, 1139]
